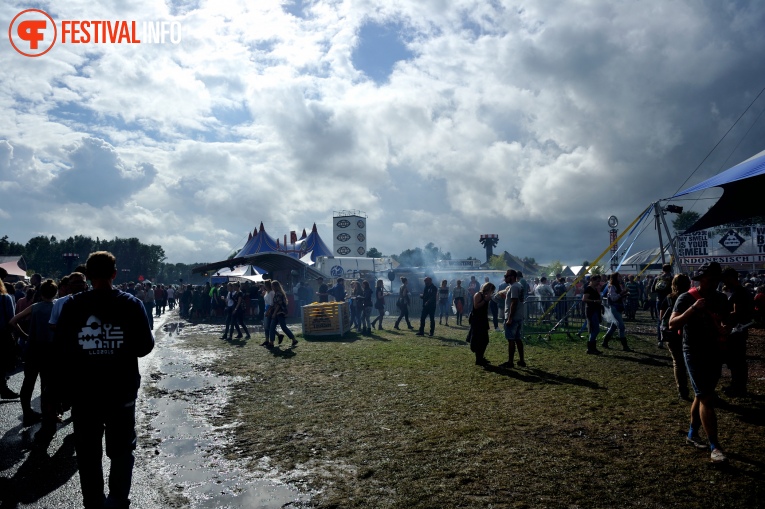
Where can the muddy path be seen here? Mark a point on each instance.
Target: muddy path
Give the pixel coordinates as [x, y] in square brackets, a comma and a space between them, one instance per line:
[180, 397]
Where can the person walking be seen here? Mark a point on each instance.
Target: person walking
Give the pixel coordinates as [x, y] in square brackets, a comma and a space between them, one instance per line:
[365, 311]
[443, 302]
[661, 287]
[38, 358]
[459, 294]
[268, 317]
[673, 338]
[7, 353]
[403, 303]
[479, 323]
[515, 312]
[149, 302]
[279, 315]
[593, 308]
[702, 314]
[240, 306]
[100, 335]
[228, 298]
[429, 298]
[742, 311]
[616, 294]
[379, 304]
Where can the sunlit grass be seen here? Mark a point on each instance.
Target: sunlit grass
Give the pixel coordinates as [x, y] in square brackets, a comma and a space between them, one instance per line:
[395, 420]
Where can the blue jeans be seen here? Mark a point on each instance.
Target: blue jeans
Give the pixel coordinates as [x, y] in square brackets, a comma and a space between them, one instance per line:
[149, 308]
[593, 323]
[281, 321]
[90, 422]
[514, 331]
[267, 325]
[618, 322]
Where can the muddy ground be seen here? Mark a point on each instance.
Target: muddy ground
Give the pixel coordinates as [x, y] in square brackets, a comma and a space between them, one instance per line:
[394, 420]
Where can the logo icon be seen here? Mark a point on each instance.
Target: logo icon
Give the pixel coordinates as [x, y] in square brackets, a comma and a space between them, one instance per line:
[732, 241]
[32, 32]
[100, 337]
[361, 251]
[343, 250]
[343, 223]
[360, 237]
[343, 237]
[336, 271]
[360, 223]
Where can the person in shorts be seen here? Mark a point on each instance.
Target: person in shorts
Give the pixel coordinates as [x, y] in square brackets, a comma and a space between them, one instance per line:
[702, 313]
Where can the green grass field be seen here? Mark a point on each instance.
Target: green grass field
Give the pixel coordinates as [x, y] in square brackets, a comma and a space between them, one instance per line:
[395, 420]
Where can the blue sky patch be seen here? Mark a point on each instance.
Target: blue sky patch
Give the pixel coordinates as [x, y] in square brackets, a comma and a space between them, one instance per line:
[378, 50]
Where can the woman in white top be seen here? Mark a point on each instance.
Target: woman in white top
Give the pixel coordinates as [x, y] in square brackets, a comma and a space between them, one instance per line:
[268, 299]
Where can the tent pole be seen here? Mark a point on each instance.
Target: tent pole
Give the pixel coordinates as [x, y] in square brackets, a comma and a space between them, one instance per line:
[657, 214]
[670, 240]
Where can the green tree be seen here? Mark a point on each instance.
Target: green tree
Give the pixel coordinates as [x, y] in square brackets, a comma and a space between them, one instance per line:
[685, 220]
[10, 248]
[418, 257]
[374, 253]
[554, 268]
[497, 262]
[411, 258]
[39, 255]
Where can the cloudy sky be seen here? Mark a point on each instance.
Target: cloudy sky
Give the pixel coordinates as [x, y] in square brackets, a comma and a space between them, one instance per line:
[440, 119]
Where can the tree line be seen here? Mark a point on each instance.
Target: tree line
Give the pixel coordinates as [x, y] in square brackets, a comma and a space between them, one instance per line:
[135, 260]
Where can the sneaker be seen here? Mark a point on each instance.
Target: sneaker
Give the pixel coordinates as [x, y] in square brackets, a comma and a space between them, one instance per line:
[294, 343]
[594, 352]
[522, 364]
[718, 456]
[696, 442]
[420, 334]
[281, 338]
[507, 365]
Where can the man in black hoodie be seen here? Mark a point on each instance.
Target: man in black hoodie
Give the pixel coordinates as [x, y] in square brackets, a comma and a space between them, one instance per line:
[429, 298]
[100, 335]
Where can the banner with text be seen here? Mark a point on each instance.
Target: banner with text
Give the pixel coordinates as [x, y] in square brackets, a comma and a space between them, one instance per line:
[742, 245]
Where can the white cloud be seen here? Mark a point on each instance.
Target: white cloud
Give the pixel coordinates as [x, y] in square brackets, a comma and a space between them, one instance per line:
[534, 122]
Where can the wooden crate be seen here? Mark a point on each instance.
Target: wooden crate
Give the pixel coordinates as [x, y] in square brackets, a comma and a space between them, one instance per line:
[326, 319]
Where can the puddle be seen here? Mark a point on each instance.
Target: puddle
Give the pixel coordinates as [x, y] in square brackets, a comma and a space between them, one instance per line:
[178, 394]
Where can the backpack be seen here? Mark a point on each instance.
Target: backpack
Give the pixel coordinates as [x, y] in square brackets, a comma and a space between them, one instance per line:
[560, 289]
[662, 284]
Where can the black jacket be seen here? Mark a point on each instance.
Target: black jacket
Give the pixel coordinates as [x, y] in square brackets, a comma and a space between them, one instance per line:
[429, 296]
[99, 336]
